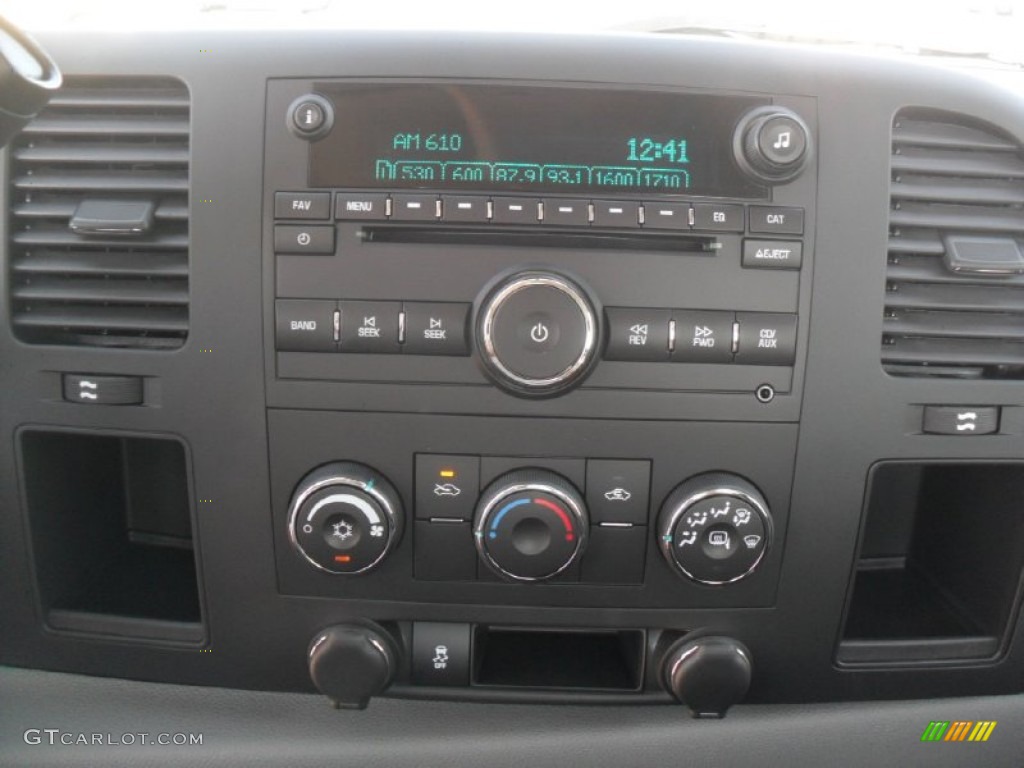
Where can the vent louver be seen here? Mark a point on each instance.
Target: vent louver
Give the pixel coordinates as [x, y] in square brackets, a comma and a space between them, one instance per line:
[103, 144]
[954, 303]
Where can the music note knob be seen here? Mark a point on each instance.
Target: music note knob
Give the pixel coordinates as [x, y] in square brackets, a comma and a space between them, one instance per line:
[772, 144]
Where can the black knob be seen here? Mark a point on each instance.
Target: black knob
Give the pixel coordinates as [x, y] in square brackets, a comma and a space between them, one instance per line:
[311, 117]
[537, 333]
[714, 528]
[708, 674]
[349, 663]
[530, 525]
[345, 518]
[772, 144]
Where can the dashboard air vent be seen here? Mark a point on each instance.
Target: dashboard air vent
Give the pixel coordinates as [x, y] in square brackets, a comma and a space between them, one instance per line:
[954, 303]
[98, 227]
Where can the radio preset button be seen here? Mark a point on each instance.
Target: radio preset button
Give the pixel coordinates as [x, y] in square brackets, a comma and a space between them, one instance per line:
[773, 254]
[718, 218]
[414, 207]
[361, 206]
[574, 213]
[667, 215]
[774, 219]
[464, 208]
[766, 339]
[435, 328]
[291, 238]
[516, 210]
[302, 205]
[305, 325]
[609, 213]
[369, 326]
[703, 336]
[637, 334]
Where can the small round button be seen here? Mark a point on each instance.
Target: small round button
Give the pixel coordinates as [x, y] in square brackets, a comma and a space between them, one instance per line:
[310, 116]
[344, 518]
[538, 333]
[714, 529]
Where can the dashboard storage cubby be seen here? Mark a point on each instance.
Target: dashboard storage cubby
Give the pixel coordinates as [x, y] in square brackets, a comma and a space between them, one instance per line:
[112, 535]
[939, 572]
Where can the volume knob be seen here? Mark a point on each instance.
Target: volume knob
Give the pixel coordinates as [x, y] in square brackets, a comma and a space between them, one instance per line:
[537, 333]
[772, 144]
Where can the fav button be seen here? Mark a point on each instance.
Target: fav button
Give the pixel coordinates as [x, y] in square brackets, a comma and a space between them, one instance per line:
[302, 205]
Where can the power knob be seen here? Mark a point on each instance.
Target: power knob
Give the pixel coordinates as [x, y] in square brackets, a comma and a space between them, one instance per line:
[772, 144]
[345, 518]
[537, 333]
[530, 525]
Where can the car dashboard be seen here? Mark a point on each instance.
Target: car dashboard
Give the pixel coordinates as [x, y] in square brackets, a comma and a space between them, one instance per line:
[567, 385]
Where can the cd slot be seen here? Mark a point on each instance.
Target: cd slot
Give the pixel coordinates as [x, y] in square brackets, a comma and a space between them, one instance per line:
[553, 238]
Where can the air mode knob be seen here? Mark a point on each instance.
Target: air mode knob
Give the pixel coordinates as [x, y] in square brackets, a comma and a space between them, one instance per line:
[772, 144]
[345, 518]
[537, 333]
[530, 525]
[714, 528]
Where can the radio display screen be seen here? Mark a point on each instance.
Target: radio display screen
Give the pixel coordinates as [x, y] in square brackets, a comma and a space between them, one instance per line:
[538, 139]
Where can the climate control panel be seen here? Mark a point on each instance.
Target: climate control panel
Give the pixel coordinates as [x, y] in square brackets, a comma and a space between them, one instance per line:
[530, 524]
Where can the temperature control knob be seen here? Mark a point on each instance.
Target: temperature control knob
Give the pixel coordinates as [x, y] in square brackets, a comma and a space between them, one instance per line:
[345, 518]
[714, 528]
[537, 333]
[772, 144]
[530, 525]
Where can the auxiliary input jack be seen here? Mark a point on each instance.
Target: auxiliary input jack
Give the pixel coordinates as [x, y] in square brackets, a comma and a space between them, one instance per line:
[765, 393]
